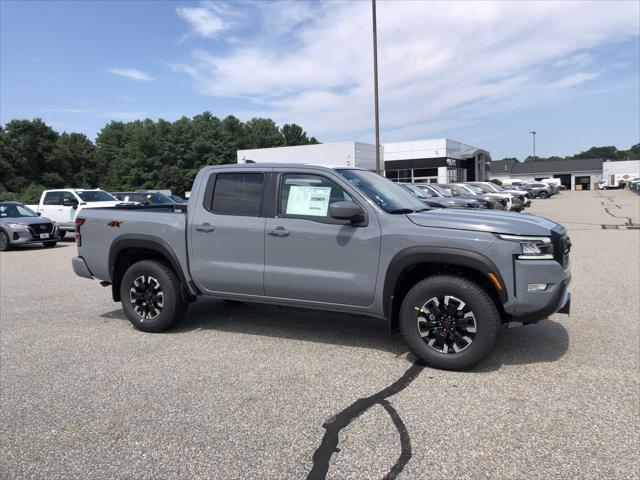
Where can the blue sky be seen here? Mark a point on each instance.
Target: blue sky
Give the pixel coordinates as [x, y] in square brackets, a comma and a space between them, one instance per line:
[481, 73]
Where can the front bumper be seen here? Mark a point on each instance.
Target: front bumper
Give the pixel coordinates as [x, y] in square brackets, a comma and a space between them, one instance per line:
[24, 237]
[530, 307]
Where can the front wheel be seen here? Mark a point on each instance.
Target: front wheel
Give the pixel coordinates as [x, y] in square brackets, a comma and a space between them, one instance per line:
[151, 296]
[543, 195]
[449, 322]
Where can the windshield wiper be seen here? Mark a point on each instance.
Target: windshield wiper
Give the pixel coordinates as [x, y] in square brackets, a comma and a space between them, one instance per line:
[401, 211]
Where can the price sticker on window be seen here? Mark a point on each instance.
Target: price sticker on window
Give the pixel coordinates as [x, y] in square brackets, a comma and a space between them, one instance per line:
[306, 200]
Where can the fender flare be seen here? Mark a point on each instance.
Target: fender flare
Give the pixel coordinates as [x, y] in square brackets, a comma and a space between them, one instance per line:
[146, 242]
[436, 255]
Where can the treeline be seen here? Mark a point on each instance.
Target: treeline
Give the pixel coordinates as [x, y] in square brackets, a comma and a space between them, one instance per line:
[607, 153]
[144, 154]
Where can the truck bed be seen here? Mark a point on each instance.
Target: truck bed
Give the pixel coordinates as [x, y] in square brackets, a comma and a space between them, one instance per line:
[132, 224]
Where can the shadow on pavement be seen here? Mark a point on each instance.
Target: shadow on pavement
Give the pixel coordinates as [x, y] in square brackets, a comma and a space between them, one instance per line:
[547, 341]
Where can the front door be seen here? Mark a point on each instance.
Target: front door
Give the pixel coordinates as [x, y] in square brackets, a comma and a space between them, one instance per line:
[311, 256]
[53, 208]
[227, 235]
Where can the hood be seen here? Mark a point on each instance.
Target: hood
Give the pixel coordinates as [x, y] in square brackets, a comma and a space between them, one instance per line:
[26, 220]
[490, 221]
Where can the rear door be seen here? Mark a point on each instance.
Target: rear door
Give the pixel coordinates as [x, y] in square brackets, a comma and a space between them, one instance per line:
[227, 233]
[311, 256]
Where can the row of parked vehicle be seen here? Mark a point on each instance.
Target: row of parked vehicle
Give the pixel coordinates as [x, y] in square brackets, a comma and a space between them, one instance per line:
[479, 195]
[55, 214]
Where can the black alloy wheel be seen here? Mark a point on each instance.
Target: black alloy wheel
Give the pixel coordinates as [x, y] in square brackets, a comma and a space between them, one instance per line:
[146, 297]
[151, 296]
[449, 321]
[446, 324]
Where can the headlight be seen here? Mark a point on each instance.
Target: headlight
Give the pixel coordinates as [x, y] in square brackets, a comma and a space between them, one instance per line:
[17, 226]
[532, 248]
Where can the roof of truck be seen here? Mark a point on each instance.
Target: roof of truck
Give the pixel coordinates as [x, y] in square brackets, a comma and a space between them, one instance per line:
[285, 165]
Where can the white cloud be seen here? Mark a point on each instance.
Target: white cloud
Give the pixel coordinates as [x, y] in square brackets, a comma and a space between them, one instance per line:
[440, 63]
[131, 73]
[126, 116]
[207, 20]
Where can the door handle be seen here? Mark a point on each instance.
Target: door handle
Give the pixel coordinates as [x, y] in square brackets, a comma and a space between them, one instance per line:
[279, 232]
[205, 228]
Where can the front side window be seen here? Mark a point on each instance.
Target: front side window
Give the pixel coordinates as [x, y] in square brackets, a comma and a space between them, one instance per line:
[238, 194]
[309, 195]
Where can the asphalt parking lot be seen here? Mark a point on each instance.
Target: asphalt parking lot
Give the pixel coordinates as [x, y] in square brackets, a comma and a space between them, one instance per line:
[248, 391]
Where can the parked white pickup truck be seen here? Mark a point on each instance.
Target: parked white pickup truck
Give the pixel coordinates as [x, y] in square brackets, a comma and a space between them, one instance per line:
[62, 205]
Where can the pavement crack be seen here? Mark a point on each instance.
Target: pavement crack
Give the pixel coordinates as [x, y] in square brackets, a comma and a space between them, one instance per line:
[333, 426]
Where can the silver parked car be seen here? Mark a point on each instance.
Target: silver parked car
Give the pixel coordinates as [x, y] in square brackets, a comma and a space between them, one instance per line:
[20, 225]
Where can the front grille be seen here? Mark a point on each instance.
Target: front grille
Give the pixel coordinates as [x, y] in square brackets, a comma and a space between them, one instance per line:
[38, 228]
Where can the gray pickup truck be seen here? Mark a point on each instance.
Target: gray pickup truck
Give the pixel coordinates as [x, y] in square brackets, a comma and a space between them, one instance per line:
[343, 239]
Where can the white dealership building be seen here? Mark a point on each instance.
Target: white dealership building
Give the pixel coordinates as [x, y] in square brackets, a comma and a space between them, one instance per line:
[437, 160]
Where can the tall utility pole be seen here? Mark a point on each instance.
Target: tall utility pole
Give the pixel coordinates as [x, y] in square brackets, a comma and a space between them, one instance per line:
[534, 151]
[375, 86]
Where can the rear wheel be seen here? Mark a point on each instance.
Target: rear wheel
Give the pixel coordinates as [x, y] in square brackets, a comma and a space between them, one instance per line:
[449, 322]
[4, 241]
[151, 296]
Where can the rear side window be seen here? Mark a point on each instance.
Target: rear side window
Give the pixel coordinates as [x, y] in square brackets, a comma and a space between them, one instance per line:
[238, 194]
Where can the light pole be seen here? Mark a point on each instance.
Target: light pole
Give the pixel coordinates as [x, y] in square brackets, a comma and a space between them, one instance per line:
[534, 151]
[375, 85]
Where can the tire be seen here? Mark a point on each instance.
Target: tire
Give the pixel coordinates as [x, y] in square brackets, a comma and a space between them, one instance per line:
[62, 234]
[461, 347]
[543, 195]
[159, 304]
[4, 241]
[50, 244]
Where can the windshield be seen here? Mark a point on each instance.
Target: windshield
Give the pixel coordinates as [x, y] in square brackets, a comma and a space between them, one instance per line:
[420, 192]
[13, 210]
[461, 190]
[95, 196]
[491, 187]
[383, 192]
[446, 191]
[476, 189]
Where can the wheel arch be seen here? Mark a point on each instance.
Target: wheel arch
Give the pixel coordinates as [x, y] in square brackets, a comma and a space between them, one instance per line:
[413, 264]
[129, 249]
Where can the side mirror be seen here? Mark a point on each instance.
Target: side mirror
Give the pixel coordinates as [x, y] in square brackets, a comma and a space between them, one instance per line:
[38, 214]
[347, 211]
[69, 203]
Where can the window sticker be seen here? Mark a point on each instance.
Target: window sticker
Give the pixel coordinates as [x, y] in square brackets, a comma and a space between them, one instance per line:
[306, 200]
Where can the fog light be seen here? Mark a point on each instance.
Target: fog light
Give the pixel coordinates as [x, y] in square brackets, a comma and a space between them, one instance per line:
[536, 287]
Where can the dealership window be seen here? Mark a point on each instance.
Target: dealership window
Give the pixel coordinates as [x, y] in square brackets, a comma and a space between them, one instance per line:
[238, 194]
